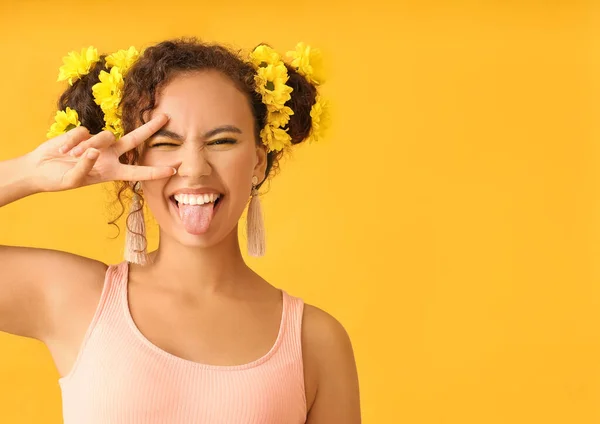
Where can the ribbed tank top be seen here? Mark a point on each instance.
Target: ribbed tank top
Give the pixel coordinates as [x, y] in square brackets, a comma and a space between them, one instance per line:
[120, 377]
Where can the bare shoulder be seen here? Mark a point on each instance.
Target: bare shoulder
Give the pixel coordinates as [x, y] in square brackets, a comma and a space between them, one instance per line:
[324, 332]
[35, 283]
[330, 369]
[73, 292]
[65, 275]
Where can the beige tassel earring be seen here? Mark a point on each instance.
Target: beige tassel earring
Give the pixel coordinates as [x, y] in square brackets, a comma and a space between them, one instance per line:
[135, 237]
[255, 228]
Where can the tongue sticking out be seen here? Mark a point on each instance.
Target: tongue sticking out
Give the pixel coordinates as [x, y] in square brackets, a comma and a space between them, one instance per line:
[196, 218]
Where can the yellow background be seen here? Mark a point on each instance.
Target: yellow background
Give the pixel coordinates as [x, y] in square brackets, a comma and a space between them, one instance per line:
[451, 221]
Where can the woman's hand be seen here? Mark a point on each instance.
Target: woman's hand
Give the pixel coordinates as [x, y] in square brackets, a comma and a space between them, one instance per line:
[76, 159]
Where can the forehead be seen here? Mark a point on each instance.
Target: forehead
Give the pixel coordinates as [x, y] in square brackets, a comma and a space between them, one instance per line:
[204, 99]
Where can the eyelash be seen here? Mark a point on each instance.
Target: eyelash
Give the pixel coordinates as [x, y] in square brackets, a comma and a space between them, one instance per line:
[223, 141]
[163, 144]
[216, 142]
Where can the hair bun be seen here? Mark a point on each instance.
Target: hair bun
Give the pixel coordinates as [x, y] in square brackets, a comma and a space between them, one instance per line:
[79, 97]
[303, 98]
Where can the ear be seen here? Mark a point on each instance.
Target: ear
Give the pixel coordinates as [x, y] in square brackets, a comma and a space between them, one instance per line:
[261, 164]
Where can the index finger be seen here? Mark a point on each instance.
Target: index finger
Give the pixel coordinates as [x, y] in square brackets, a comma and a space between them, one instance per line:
[139, 135]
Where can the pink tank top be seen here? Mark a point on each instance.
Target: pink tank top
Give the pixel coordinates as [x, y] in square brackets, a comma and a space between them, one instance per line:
[120, 377]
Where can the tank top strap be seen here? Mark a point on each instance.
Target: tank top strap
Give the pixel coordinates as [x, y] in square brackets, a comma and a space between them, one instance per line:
[109, 303]
[292, 334]
[107, 308]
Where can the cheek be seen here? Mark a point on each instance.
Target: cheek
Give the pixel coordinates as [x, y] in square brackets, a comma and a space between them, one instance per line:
[235, 170]
[152, 189]
[153, 195]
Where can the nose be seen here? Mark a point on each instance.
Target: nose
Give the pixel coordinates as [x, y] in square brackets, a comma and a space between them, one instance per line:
[194, 162]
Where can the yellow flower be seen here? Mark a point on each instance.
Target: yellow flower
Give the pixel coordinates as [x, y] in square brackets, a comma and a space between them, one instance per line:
[78, 64]
[281, 117]
[275, 138]
[123, 59]
[64, 121]
[107, 93]
[271, 83]
[308, 61]
[113, 122]
[263, 55]
[320, 119]
[116, 128]
[271, 78]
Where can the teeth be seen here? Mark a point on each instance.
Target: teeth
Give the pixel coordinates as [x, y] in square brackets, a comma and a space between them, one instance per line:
[200, 199]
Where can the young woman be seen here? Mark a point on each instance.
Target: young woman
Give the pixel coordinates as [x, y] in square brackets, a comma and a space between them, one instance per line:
[187, 333]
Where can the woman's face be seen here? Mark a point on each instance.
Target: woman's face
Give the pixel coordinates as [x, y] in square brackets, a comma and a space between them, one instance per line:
[210, 140]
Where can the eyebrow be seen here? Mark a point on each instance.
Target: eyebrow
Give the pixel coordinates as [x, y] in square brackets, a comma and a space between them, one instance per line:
[174, 136]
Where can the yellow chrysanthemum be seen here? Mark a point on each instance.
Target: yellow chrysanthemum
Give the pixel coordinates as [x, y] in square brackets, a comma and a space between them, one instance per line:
[263, 55]
[271, 78]
[280, 118]
[271, 83]
[77, 64]
[123, 59]
[64, 121]
[113, 122]
[320, 119]
[308, 61]
[275, 138]
[116, 128]
[107, 93]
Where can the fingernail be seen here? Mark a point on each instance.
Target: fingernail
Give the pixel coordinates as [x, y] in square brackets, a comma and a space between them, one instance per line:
[76, 151]
[174, 171]
[62, 149]
[92, 153]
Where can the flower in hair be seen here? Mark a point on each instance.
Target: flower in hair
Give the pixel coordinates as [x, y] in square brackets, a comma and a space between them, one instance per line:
[113, 123]
[281, 117]
[320, 118]
[308, 61]
[64, 121]
[75, 64]
[109, 91]
[107, 94]
[263, 55]
[271, 83]
[275, 138]
[123, 59]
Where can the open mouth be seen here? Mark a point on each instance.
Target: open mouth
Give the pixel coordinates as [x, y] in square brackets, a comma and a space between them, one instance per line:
[196, 200]
[196, 211]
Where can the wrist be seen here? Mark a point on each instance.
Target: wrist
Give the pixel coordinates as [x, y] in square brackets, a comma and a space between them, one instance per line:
[29, 182]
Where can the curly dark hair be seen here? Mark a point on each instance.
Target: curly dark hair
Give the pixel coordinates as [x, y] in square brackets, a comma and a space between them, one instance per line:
[156, 67]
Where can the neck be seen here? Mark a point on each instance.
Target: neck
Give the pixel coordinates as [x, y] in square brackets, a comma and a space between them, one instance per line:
[194, 269]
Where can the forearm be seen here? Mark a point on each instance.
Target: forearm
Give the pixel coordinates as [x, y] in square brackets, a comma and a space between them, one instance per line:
[16, 180]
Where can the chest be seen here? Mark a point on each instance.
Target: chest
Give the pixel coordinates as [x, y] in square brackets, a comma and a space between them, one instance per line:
[144, 386]
[213, 330]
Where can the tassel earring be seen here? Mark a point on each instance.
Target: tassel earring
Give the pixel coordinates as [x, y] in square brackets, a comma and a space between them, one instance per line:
[135, 237]
[255, 228]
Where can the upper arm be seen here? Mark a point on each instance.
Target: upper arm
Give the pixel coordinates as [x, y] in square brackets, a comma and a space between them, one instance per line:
[34, 282]
[329, 357]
